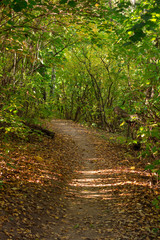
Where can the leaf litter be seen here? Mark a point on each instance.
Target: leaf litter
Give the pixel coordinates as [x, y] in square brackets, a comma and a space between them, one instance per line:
[77, 186]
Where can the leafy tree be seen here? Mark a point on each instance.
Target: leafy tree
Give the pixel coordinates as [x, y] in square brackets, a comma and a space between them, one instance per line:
[82, 58]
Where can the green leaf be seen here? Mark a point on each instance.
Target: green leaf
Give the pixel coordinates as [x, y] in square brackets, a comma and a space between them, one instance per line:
[146, 16]
[10, 165]
[157, 162]
[149, 167]
[10, 22]
[19, 5]
[156, 203]
[138, 35]
[32, 2]
[72, 3]
[1, 184]
[154, 149]
[50, 7]
[63, 1]
[156, 133]
[55, 10]
[76, 226]
[5, 2]
[138, 26]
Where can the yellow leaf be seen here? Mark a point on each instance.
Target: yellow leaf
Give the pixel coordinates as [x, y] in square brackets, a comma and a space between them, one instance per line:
[95, 30]
[130, 32]
[122, 123]
[132, 168]
[38, 158]
[153, 20]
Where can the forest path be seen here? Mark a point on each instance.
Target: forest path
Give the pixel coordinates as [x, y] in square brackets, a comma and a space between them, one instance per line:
[107, 196]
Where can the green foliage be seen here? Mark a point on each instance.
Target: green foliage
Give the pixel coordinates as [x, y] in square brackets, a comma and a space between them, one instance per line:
[81, 60]
[156, 202]
[18, 5]
[154, 167]
[1, 184]
[26, 65]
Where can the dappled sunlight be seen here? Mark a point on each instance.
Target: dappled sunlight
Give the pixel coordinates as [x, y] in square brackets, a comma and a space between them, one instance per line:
[108, 183]
[99, 183]
[28, 171]
[80, 184]
[95, 159]
[114, 171]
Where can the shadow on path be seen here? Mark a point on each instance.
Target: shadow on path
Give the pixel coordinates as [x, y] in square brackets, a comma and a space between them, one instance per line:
[104, 200]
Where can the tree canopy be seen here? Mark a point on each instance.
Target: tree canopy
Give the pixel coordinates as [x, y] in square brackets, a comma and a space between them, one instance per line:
[89, 61]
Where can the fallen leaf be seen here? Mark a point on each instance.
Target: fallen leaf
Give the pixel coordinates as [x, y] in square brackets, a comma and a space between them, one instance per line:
[132, 168]
[38, 158]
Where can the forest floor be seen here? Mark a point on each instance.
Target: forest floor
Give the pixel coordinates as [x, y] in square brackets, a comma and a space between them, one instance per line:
[76, 186]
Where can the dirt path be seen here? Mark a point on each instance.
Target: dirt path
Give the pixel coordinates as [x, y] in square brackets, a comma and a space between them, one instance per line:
[109, 196]
[77, 186]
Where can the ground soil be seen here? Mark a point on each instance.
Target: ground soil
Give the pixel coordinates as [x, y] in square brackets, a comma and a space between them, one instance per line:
[85, 187]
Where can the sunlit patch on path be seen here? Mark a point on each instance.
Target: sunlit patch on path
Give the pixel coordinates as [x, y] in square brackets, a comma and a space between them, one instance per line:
[107, 196]
[104, 183]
